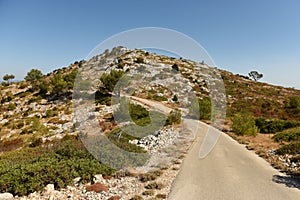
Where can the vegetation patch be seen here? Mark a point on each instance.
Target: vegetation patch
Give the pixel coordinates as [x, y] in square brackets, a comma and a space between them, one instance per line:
[154, 185]
[288, 135]
[293, 149]
[244, 124]
[29, 170]
[272, 125]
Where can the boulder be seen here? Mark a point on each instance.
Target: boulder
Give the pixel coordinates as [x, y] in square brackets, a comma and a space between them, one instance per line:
[6, 196]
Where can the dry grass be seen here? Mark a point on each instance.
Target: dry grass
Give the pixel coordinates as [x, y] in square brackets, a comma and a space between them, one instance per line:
[97, 187]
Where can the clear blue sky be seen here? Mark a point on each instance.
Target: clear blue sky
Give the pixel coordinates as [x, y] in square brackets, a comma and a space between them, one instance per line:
[239, 35]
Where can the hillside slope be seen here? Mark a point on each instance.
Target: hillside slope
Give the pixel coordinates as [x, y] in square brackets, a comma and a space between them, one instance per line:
[38, 119]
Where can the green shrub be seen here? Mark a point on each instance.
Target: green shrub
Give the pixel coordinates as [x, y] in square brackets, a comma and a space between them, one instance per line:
[102, 98]
[23, 94]
[36, 99]
[20, 124]
[201, 108]
[294, 103]
[36, 142]
[11, 106]
[4, 84]
[293, 148]
[288, 135]
[51, 113]
[29, 170]
[154, 185]
[139, 60]
[109, 81]
[272, 125]
[22, 85]
[150, 176]
[243, 123]
[121, 64]
[148, 193]
[121, 139]
[174, 117]
[138, 113]
[7, 98]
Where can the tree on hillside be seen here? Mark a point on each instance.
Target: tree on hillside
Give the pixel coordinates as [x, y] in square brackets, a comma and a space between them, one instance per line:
[8, 77]
[59, 85]
[113, 80]
[34, 76]
[255, 75]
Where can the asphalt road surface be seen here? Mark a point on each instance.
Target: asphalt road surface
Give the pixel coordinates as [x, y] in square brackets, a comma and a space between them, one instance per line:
[230, 172]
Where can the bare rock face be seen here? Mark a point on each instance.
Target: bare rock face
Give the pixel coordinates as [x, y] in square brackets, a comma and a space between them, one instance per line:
[6, 196]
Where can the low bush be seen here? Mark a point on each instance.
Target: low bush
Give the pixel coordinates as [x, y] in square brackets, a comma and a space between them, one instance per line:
[174, 117]
[136, 112]
[293, 148]
[34, 99]
[154, 185]
[139, 60]
[136, 197]
[272, 125]
[31, 169]
[101, 98]
[148, 193]
[201, 108]
[11, 106]
[150, 176]
[287, 135]
[121, 139]
[22, 85]
[7, 98]
[243, 123]
[51, 113]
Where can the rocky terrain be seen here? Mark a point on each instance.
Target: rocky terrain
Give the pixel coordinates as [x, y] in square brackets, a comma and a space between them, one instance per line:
[32, 120]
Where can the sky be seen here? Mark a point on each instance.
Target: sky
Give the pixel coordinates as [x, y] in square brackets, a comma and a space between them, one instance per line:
[239, 35]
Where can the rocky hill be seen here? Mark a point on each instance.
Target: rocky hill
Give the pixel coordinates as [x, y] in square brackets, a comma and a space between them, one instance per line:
[44, 117]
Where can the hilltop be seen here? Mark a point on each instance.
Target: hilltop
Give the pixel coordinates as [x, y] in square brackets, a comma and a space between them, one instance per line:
[40, 130]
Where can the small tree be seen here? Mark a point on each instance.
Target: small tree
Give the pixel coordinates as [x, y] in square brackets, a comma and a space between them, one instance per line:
[34, 76]
[59, 85]
[112, 80]
[255, 75]
[8, 77]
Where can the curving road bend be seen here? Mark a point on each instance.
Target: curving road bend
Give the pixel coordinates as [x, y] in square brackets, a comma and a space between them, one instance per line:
[228, 172]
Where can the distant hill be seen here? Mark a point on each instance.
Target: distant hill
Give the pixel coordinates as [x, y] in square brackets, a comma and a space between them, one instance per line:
[37, 120]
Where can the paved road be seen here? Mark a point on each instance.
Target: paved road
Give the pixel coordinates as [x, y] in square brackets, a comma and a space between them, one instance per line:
[228, 172]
